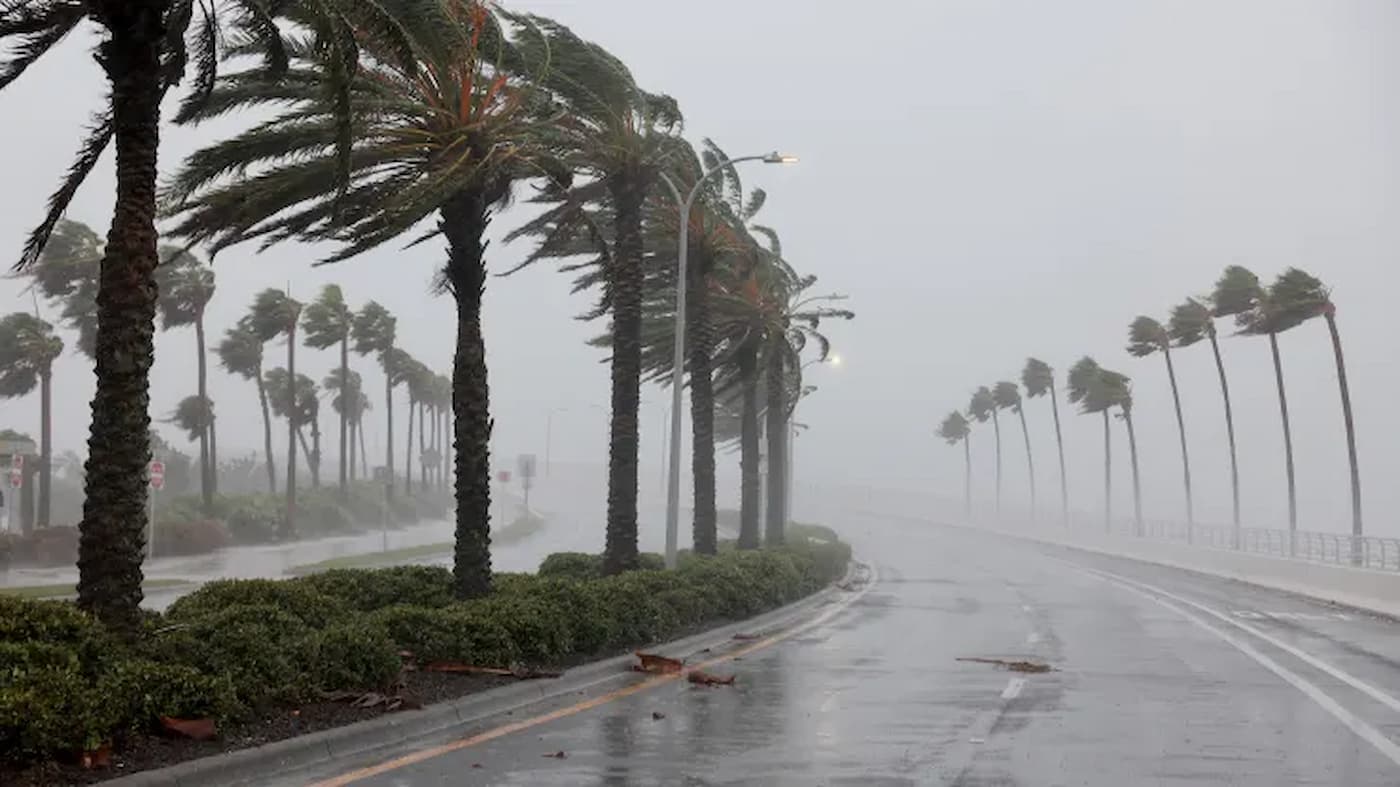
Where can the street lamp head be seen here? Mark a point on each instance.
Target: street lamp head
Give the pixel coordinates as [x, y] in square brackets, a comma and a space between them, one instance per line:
[779, 158]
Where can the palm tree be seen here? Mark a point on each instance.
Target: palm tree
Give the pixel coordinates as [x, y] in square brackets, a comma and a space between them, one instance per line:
[28, 348]
[241, 353]
[186, 287]
[327, 323]
[417, 378]
[1297, 297]
[1006, 396]
[472, 125]
[1085, 387]
[1118, 390]
[1039, 380]
[1145, 337]
[1191, 322]
[982, 407]
[194, 415]
[346, 388]
[301, 407]
[374, 331]
[67, 274]
[618, 137]
[955, 429]
[275, 313]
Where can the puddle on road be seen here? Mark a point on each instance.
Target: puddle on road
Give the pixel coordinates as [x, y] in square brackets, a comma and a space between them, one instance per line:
[1012, 665]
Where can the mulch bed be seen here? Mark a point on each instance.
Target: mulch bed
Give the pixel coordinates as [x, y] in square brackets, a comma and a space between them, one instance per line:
[146, 752]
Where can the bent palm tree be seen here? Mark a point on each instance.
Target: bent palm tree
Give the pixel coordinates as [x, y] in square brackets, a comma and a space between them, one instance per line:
[67, 274]
[346, 390]
[274, 314]
[955, 429]
[28, 348]
[326, 323]
[1007, 396]
[241, 353]
[301, 406]
[1145, 337]
[374, 331]
[982, 407]
[1118, 391]
[1039, 380]
[186, 287]
[1191, 322]
[1085, 387]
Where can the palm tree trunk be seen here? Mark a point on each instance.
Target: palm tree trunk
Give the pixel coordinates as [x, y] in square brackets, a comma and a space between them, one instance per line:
[389, 479]
[267, 433]
[996, 430]
[316, 453]
[1356, 528]
[1030, 460]
[289, 522]
[748, 447]
[1107, 476]
[1060, 448]
[1230, 434]
[305, 451]
[113, 529]
[1287, 446]
[350, 456]
[627, 281]
[704, 527]
[347, 449]
[213, 453]
[1185, 457]
[206, 473]
[422, 446]
[777, 452]
[45, 446]
[1137, 486]
[408, 452]
[464, 222]
[967, 477]
[364, 455]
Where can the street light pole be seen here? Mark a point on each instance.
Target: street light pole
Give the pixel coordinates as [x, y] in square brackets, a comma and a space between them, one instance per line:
[673, 485]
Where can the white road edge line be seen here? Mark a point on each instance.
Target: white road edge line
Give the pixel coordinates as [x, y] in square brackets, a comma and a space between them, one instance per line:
[1363, 730]
[1013, 688]
[1365, 688]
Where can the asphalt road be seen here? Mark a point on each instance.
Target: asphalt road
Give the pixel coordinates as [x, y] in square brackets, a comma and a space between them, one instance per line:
[1160, 677]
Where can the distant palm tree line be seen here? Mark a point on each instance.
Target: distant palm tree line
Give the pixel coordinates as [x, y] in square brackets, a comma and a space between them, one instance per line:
[1294, 297]
[362, 151]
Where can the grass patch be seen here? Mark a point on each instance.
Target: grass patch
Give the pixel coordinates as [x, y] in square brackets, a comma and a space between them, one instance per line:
[63, 589]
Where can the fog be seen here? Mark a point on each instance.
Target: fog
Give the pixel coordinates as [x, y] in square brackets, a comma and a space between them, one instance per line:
[985, 180]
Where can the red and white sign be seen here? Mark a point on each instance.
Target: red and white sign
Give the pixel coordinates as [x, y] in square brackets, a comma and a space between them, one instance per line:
[157, 475]
[16, 478]
[17, 462]
[503, 476]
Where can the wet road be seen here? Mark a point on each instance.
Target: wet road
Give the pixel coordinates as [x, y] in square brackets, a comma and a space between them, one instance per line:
[1161, 677]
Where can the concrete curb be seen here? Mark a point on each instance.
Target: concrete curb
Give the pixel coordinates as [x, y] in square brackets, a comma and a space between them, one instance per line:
[262, 764]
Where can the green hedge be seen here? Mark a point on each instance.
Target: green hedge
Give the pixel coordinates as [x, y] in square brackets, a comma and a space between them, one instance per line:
[240, 647]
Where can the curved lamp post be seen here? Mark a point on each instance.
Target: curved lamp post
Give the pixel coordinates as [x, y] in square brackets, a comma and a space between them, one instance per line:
[673, 482]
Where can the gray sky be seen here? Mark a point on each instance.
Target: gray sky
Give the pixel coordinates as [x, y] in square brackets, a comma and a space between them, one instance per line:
[986, 180]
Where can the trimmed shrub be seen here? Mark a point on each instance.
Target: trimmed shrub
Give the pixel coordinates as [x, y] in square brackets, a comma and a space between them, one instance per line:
[147, 690]
[48, 711]
[190, 537]
[459, 633]
[572, 565]
[365, 590]
[638, 615]
[301, 601]
[592, 627]
[651, 561]
[353, 655]
[258, 648]
[253, 520]
[58, 622]
[539, 629]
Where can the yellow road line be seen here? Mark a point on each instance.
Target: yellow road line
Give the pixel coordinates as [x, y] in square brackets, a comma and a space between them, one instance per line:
[544, 718]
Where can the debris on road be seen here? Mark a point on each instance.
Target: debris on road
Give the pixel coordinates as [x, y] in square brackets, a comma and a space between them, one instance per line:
[519, 673]
[1012, 665]
[706, 679]
[657, 715]
[745, 637]
[559, 755]
[660, 665]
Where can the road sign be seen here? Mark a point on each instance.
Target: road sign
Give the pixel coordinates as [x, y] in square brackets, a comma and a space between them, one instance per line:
[525, 463]
[16, 478]
[157, 475]
[503, 476]
[17, 462]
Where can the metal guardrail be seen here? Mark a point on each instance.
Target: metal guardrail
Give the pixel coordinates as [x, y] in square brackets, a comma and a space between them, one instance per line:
[1372, 552]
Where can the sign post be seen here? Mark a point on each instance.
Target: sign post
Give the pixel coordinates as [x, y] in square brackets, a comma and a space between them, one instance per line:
[155, 481]
[525, 463]
[16, 481]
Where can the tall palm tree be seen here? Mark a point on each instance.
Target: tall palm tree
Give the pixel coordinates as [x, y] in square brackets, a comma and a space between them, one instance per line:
[1039, 380]
[1007, 396]
[186, 287]
[67, 273]
[275, 313]
[374, 331]
[327, 323]
[241, 353]
[472, 124]
[194, 415]
[301, 407]
[1118, 390]
[982, 407]
[616, 136]
[143, 51]
[1145, 337]
[28, 348]
[955, 429]
[1191, 322]
[1085, 387]
[1298, 297]
[346, 388]
[417, 378]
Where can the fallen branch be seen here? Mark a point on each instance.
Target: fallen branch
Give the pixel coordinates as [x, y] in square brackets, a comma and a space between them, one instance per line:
[1014, 666]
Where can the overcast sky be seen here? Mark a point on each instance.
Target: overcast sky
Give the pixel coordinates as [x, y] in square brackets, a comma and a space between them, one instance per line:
[985, 180]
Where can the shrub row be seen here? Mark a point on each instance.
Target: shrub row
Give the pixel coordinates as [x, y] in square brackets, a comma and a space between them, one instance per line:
[236, 647]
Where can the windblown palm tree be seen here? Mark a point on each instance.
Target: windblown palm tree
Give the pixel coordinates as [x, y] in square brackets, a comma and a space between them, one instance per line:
[194, 416]
[417, 378]
[301, 407]
[186, 287]
[1145, 337]
[28, 348]
[274, 314]
[1039, 380]
[441, 135]
[1117, 388]
[982, 407]
[1007, 396]
[327, 323]
[347, 395]
[67, 274]
[1191, 322]
[374, 331]
[241, 353]
[955, 429]
[1085, 387]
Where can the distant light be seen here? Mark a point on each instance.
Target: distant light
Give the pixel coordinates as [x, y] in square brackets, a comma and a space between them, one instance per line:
[834, 360]
[779, 158]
